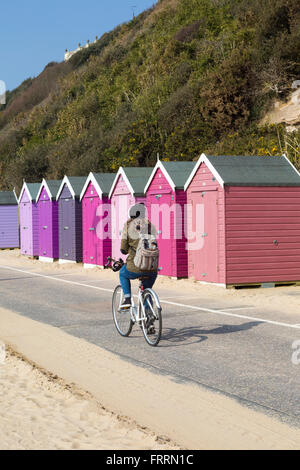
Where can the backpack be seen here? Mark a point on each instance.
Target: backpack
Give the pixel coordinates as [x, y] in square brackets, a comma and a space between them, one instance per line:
[147, 253]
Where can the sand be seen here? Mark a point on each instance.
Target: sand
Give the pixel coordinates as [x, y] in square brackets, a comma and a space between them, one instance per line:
[39, 411]
[190, 416]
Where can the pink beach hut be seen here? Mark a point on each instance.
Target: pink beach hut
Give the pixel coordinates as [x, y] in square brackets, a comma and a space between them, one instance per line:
[166, 204]
[29, 219]
[127, 190]
[96, 222]
[245, 220]
[48, 220]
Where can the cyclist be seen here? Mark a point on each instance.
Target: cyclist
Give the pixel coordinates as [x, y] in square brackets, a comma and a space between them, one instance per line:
[136, 225]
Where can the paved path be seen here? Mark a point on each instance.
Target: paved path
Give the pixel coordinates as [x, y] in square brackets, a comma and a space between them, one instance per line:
[237, 349]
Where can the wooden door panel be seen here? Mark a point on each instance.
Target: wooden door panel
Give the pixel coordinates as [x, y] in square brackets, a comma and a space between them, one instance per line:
[206, 258]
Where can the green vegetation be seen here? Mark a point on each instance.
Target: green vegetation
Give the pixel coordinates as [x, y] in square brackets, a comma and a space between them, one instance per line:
[184, 77]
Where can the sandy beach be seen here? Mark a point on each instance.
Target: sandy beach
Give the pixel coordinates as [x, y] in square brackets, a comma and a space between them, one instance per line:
[39, 411]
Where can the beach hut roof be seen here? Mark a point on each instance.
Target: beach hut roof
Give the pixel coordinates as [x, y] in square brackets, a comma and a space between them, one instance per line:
[249, 170]
[75, 185]
[176, 173]
[101, 181]
[135, 178]
[8, 198]
[32, 190]
[51, 186]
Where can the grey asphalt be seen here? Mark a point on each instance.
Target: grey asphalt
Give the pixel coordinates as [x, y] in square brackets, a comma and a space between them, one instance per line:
[248, 360]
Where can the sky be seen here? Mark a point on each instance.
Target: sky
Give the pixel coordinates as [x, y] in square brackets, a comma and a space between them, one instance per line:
[36, 32]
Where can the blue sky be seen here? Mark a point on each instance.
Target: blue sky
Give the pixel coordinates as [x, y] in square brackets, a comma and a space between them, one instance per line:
[36, 32]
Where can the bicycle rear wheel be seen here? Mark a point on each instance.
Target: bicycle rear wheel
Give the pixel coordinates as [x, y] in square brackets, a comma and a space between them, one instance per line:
[152, 324]
[122, 318]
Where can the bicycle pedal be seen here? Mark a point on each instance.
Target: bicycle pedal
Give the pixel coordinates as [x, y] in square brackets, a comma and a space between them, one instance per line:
[151, 330]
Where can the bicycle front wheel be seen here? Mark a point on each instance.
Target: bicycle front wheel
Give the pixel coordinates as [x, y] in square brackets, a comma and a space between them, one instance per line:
[122, 318]
[152, 323]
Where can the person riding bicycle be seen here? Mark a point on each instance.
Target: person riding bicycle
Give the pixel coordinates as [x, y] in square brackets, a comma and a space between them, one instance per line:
[136, 225]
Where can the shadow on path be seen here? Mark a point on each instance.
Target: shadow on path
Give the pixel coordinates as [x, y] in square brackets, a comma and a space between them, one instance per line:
[195, 334]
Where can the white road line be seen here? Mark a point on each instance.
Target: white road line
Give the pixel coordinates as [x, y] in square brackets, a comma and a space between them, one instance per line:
[192, 307]
[174, 297]
[240, 308]
[56, 279]
[99, 280]
[221, 312]
[66, 274]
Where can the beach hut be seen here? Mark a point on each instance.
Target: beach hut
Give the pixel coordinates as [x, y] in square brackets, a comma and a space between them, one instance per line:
[96, 226]
[127, 190]
[29, 219]
[244, 220]
[9, 220]
[48, 220]
[70, 219]
[166, 203]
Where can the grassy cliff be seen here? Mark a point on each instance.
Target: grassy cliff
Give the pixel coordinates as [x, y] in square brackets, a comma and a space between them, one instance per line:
[185, 77]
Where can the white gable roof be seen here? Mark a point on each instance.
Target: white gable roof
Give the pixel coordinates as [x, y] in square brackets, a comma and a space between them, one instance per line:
[159, 166]
[44, 185]
[67, 182]
[203, 159]
[91, 179]
[24, 188]
[122, 173]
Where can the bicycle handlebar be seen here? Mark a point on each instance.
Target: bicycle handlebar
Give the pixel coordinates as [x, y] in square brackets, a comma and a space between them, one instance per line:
[113, 264]
[108, 264]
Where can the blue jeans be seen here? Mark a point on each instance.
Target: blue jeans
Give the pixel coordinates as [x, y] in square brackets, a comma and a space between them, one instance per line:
[127, 276]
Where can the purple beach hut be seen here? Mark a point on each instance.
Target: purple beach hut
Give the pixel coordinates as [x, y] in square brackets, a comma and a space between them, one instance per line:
[48, 220]
[29, 219]
[70, 219]
[9, 220]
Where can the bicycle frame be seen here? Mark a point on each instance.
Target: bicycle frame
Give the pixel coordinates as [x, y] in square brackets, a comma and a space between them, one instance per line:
[137, 312]
[140, 314]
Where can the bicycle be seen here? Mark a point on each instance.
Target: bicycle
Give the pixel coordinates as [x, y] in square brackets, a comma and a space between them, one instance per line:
[147, 314]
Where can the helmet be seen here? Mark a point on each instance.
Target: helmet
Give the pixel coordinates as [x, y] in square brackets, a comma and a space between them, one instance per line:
[138, 210]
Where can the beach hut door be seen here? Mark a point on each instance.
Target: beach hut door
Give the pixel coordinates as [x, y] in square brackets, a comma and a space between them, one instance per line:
[163, 218]
[68, 221]
[45, 228]
[26, 228]
[205, 259]
[120, 206]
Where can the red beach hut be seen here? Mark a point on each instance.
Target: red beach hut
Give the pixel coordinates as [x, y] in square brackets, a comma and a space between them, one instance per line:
[48, 220]
[244, 224]
[96, 233]
[166, 203]
[127, 190]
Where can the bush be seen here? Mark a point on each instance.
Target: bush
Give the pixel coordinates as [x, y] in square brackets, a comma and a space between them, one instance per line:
[189, 32]
[226, 94]
[182, 78]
